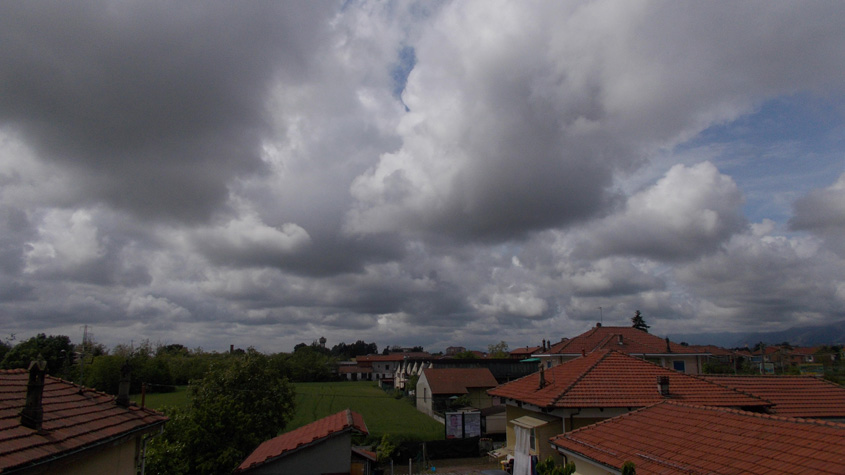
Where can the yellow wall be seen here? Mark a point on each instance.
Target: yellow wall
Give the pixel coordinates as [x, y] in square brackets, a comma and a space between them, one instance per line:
[542, 434]
[115, 460]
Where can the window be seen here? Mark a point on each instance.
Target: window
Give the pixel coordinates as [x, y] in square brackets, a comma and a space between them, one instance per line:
[533, 441]
[679, 366]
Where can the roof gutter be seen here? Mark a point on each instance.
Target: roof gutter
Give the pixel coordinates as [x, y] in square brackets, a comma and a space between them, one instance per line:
[568, 453]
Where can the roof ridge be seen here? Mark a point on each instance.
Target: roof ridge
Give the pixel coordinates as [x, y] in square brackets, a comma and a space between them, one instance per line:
[704, 379]
[582, 375]
[760, 415]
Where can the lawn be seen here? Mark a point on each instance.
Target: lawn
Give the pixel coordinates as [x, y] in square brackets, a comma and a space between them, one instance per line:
[159, 400]
[382, 413]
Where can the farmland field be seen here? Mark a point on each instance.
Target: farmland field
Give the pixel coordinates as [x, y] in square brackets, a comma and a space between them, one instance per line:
[382, 413]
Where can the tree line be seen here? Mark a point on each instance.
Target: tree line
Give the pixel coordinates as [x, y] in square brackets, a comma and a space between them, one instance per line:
[162, 367]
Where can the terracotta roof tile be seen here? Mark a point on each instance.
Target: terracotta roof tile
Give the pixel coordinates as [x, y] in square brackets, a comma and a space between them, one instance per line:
[458, 380]
[793, 396]
[632, 341]
[306, 435]
[527, 351]
[608, 378]
[710, 440]
[74, 418]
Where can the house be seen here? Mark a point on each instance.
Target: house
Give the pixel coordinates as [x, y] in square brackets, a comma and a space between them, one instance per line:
[792, 396]
[680, 438]
[353, 372]
[503, 369]
[802, 355]
[323, 446]
[598, 386]
[48, 425]
[630, 341]
[383, 367]
[436, 388]
[523, 353]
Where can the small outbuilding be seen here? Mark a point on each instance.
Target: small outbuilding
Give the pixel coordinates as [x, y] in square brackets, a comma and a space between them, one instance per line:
[323, 446]
[439, 388]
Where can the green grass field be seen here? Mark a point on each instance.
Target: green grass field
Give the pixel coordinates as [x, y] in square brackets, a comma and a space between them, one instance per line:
[159, 400]
[382, 413]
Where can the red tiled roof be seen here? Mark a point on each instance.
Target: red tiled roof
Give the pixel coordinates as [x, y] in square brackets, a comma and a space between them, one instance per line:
[633, 341]
[458, 380]
[306, 435]
[367, 454]
[680, 438]
[527, 351]
[75, 418]
[354, 369]
[804, 351]
[609, 378]
[793, 396]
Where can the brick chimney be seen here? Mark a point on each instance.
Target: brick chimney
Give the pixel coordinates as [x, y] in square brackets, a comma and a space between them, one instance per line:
[32, 414]
[542, 377]
[123, 387]
[619, 337]
[663, 385]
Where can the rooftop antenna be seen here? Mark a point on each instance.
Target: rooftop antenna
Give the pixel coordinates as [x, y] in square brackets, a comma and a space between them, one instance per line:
[601, 316]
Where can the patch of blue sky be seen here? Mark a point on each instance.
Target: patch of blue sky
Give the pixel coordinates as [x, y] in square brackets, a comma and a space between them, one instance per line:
[406, 61]
[787, 147]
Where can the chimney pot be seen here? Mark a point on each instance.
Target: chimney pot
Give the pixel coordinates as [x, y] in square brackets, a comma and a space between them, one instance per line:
[598, 324]
[32, 414]
[663, 385]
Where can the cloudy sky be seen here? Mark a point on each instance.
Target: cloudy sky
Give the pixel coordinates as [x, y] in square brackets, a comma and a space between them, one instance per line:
[418, 173]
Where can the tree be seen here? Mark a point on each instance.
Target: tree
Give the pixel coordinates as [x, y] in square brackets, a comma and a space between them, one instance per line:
[465, 355]
[56, 351]
[499, 350]
[236, 406]
[639, 322]
[628, 468]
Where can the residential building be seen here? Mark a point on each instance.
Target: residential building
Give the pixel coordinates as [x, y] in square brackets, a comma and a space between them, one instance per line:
[792, 396]
[323, 446]
[503, 369]
[598, 386]
[384, 367]
[48, 425]
[630, 341]
[523, 353]
[680, 438]
[436, 388]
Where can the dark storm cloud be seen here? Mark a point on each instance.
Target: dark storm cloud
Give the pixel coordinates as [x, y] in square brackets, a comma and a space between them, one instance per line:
[821, 209]
[153, 109]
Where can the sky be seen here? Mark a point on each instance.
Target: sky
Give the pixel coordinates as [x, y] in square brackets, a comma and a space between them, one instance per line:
[428, 173]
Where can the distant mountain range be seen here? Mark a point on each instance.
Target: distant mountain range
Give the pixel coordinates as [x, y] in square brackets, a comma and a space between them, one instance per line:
[833, 334]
